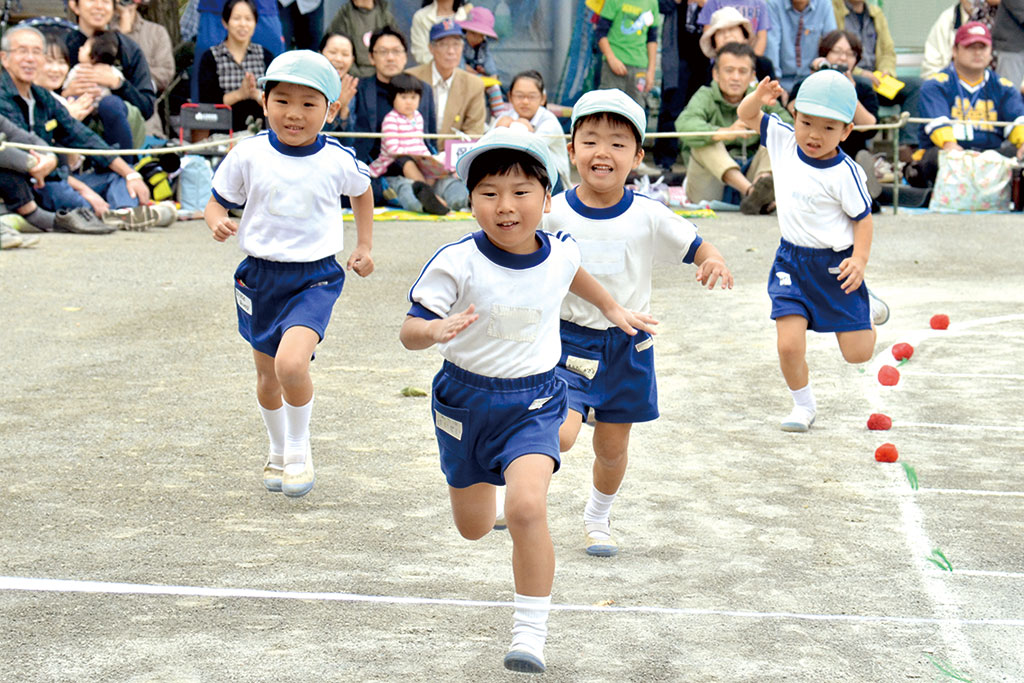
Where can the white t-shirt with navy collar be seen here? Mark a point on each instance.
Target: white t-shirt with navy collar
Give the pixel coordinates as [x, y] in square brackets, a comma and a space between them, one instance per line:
[290, 196]
[620, 245]
[818, 201]
[517, 297]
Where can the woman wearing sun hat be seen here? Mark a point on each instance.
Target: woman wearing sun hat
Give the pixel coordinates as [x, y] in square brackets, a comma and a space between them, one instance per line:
[729, 26]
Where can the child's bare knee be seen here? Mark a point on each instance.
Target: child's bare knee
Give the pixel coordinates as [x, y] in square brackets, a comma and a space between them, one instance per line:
[291, 371]
[525, 510]
[474, 530]
[857, 355]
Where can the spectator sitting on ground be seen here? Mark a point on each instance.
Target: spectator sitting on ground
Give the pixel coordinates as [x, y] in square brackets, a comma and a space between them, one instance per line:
[476, 55]
[529, 105]
[211, 31]
[969, 90]
[399, 149]
[714, 172]
[754, 11]
[357, 20]
[373, 102]
[878, 53]
[123, 114]
[726, 26]
[426, 17]
[53, 74]
[797, 29]
[116, 187]
[155, 43]
[228, 72]
[529, 112]
[340, 53]
[841, 50]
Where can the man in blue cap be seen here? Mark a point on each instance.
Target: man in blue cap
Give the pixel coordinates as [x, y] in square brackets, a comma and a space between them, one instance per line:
[825, 217]
[287, 182]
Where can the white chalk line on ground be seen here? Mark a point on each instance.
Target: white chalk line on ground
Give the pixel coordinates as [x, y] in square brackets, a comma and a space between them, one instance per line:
[939, 425]
[14, 583]
[972, 492]
[986, 572]
[910, 513]
[963, 375]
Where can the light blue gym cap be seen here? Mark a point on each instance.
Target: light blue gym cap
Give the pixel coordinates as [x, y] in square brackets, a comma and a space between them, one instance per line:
[613, 101]
[304, 67]
[829, 94]
[508, 138]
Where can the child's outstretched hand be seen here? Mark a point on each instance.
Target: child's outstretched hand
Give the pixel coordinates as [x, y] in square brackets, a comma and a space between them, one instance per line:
[444, 329]
[711, 271]
[768, 91]
[223, 228]
[631, 321]
[851, 273]
[360, 261]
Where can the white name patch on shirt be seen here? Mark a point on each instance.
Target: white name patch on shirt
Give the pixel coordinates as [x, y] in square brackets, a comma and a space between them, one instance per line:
[603, 257]
[296, 202]
[514, 323]
[448, 425]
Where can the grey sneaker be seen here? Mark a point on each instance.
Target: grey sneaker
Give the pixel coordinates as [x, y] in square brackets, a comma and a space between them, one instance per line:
[879, 309]
[136, 218]
[81, 221]
[166, 214]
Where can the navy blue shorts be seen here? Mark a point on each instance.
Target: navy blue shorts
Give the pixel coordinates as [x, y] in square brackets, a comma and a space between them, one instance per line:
[804, 282]
[484, 423]
[610, 372]
[272, 296]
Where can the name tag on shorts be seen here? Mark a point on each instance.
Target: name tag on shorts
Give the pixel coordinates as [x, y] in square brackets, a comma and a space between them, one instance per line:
[834, 270]
[448, 425]
[244, 302]
[582, 366]
[645, 344]
[539, 403]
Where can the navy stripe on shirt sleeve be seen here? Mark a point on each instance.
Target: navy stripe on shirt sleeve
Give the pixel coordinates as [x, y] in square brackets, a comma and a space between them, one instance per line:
[420, 311]
[225, 203]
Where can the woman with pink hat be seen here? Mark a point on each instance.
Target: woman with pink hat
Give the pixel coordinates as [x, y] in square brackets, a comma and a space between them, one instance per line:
[479, 26]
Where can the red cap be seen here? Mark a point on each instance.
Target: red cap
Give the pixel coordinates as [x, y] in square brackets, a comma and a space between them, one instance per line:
[973, 32]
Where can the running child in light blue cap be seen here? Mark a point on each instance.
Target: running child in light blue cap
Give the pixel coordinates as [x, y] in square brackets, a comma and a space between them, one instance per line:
[287, 182]
[622, 235]
[490, 302]
[817, 279]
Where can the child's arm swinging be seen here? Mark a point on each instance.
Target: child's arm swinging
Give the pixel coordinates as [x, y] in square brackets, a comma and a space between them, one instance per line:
[711, 266]
[219, 222]
[749, 110]
[851, 269]
[418, 333]
[362, 210]
[587, 288]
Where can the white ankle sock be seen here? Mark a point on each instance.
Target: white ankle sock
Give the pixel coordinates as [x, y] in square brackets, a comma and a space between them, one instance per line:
[296, 440]
[804, 398]
[598, 511]
[276, 425]
[530, 624]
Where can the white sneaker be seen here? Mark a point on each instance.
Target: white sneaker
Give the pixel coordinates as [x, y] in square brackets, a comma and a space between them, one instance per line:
[800, 420]
[879, 309]
[300, 483]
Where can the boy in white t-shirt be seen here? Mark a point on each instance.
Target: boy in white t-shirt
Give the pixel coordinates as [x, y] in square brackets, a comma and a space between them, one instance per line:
[287, 181]
[621, 235]
[824, 214]
[490, 301]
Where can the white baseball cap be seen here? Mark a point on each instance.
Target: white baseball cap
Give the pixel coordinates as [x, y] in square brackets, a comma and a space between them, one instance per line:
[507, 138]
[611, 101]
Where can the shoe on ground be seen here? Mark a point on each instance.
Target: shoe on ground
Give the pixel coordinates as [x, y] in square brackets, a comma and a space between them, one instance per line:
[81, 221]
[301, 483]
[500, 523]
[432, 204]
[879, 309]
[800, 420]
[601, 544]
[133, 219]
[272, 477]
[10, 238]
[523, 662]
[761, 194]
[866, 161]
[166, 214]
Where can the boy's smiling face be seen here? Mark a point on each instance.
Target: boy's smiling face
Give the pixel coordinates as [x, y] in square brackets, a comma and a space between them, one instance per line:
[509, 208]
[295, 113]
[604, 152]
[819, 137]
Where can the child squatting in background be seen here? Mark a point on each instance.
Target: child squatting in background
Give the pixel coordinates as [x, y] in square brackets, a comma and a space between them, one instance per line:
[287, 182]
[824, 214]
[490, 301]
[621, 234]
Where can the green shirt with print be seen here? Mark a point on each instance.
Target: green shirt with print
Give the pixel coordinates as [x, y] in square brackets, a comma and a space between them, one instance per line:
[628, 33]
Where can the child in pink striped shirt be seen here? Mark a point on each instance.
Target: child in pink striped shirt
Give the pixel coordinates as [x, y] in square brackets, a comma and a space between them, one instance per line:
[402, 149]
